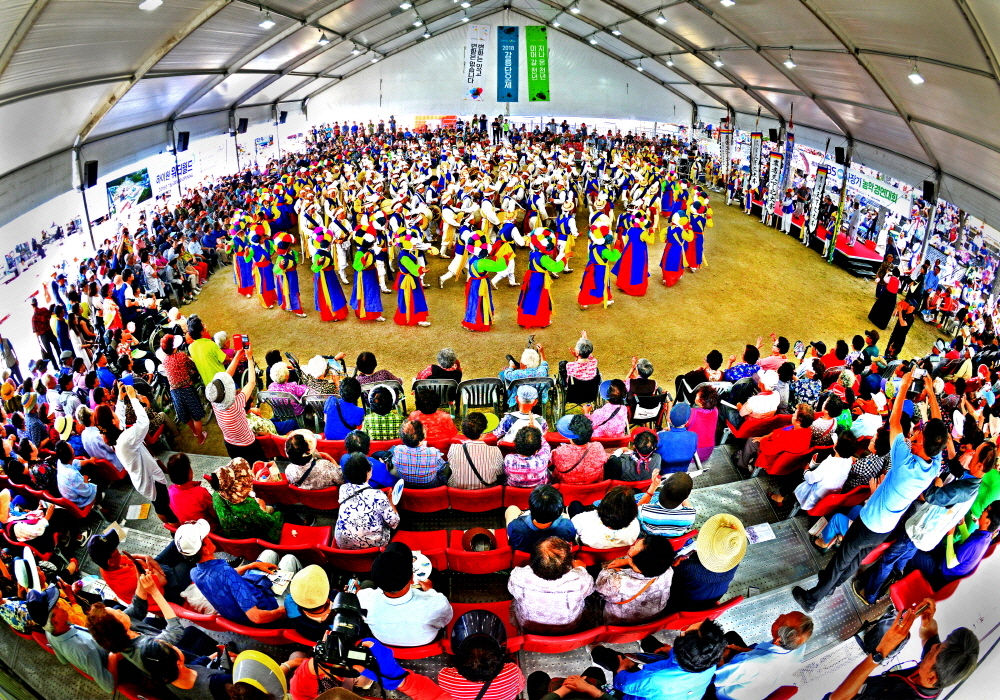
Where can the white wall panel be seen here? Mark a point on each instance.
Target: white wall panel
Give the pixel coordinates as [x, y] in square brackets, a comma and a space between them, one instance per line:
[427, 79]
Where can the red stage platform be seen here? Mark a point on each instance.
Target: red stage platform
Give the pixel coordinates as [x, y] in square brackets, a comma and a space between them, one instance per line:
[859, 259]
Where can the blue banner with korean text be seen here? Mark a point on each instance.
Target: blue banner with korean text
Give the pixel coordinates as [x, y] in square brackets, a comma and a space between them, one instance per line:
[508, 40]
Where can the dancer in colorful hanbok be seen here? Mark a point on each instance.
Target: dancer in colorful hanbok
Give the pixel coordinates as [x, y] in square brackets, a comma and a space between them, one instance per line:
[701, 219]
[632, 273]
[503, 247]
[366, 299]
[327, 294]
[286, 274]
[565, 230]
[601, 255]
[534, 304]
[259, 253]
[478, 291]
[673, 262]
[238, 250]
[411, 305]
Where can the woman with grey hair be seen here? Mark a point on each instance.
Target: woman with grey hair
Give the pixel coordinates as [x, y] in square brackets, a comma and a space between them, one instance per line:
[584, 367]
[447, 366]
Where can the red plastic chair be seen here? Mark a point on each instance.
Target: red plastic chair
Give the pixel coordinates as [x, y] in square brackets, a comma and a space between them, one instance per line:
[585, 493]
[757, 427]
[637, 486]
[435, 648]
[425, 500]
[273, 492]
[204, 621]
[783, 693]
[500, 608]
[590, 556]
[294, 637]
[910, 590]
[561, 643]
[154, 437]
[301, 541]
[432, 544]
[877, 551]
[272, 445]
[353, 560]
[624, 634]
[478, 562]
[258, 634]
[320, 499]
[106, 470]
[614, 442]
[43, 641]
[837, 501]
[334, 448]
[249, 548]
[516, 496]
[783, 463]
[683, 619]
[475, 500]
[680, 541]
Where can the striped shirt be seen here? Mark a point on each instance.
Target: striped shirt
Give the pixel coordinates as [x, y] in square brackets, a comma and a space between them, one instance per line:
[669, 522]
[233, 422]
[487, 459]
[505, 686]
[418, 465]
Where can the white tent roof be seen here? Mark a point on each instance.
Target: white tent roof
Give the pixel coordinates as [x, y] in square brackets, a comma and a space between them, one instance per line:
[76, 71]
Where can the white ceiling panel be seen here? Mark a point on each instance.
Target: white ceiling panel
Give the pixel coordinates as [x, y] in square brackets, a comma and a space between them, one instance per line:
[356, 14]
[964, 159]
[695, 27]
[806, 111]
[837, 75]
[11, 14]
[888, 130]
[285, 52]
[798, 26]
[755, 70]
[225, 93]
[151, 100]
[697, 69]
[276, 89]
[647, 37]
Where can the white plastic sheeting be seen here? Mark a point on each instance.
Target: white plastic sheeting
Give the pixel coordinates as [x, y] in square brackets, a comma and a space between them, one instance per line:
[63, 63]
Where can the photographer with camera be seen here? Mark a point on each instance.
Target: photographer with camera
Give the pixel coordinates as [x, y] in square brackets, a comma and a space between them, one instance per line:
[347, 654]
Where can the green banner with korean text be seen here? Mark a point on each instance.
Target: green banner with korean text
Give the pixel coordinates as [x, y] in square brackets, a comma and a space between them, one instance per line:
[536, 42]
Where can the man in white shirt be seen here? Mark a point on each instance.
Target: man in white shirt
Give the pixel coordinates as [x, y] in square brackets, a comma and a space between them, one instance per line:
[400, 613]
[763, 668]
[763, 404]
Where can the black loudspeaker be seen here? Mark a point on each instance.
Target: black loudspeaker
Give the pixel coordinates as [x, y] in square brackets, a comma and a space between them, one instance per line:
[282, 116]
[772, 135]
[183, 137]
[930, 191]
[90, 173]
[242, 127]
[839, 155]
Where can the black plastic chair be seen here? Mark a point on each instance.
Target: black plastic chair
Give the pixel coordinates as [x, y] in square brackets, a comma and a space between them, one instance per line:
[281, 403]
[487, 392]
[646, 410]
[395, 387]
[315, 405]
[577, 392]
[542, 384]
[446, 389]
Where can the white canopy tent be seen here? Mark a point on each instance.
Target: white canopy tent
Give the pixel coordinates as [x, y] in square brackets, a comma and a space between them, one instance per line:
[108, 81]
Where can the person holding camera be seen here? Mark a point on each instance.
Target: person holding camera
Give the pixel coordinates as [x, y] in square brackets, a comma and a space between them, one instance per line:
[941, 663]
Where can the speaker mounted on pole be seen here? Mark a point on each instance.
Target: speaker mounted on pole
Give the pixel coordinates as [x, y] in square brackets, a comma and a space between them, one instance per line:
[90, 174]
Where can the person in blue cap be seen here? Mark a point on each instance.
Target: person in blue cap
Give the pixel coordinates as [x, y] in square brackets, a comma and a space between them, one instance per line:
[677, 445]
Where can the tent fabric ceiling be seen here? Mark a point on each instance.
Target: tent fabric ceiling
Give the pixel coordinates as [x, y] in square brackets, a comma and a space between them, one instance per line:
[95, 68]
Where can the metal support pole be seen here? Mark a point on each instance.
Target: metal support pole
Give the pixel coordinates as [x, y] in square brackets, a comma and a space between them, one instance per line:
[930, 221]
[832, 241]
[83, 194]
[177, 165]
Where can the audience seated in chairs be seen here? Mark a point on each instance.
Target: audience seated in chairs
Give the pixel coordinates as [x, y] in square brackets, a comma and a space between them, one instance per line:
[366, 517]
[551, 591]
[664, 508]
[778, 356]
[638, 380]
[581, 461]
[480, 659]
[358, 442]
[382, 421]
[189, 500]
[584, 367]
[677, 445]
[399, 612]
[636, 587]
[307, 468]
[532, 364]
[473, 463]
[438, 425]
[320, 377]
[746, 367]
[366, 374]
[611, 419]
[704, 419]
[828, 476]
[637, 463]
[279, 373]
[795, 438]
[872, 465]
[447, 366]
[808, 386]
[308, 606]
[710, 371]
[613, 523]
[528, 465]
[420, 466]
[512, 422]
[544, 518]
[342, 414]
[701, 579]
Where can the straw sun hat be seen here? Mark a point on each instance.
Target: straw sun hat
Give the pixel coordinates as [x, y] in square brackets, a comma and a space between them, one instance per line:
[721, 543]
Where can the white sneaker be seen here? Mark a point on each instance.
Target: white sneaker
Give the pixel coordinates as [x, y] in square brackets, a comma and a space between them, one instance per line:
[423, 323]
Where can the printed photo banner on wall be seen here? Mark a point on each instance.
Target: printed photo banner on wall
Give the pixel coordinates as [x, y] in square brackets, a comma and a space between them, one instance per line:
[536, 40]
[774, 180]
[725, 145]
[819, 188]
[475, 61]
[755, 143]
[508, 42]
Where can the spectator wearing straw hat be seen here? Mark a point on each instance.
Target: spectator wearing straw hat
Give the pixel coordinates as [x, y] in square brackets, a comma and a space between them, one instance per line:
[307, 603]
[703, 578]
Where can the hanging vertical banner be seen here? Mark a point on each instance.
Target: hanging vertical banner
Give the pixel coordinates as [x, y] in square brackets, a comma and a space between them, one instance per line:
[508, 39]
[774, 180]
[789, 150]
[475, 60]
[819, 189]
[725, 144]
[536, 41]
[755, 143]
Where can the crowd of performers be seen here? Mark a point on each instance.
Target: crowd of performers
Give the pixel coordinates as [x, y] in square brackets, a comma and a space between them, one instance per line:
[358, 212]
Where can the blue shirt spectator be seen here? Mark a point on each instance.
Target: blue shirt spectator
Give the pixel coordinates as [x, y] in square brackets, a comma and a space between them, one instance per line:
[231, 594]
[381, 478]
[695, 587]
[663, 680]
[72, 485]
[341, 418]
[523, 534]
[905, 481]
[677, 445]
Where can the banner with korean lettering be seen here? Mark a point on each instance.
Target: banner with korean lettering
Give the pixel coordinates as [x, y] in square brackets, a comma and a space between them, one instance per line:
[165, 173]
[774, 181]
[725, 145]
[789, 151]
[508, 42]
[475, 61]
[819, 188]
[755, 144]
[536, 42]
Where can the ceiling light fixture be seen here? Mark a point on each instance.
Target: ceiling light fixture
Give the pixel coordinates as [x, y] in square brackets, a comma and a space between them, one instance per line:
[555, 22]
[593, 40]
[670, 61]
[466, 5]
[615, 31]
[718, 62]
[268, 22]
[660, 19]
[375, 60]
[575, 9]
[426, 35]
[355, 51]
[418, 22]
[789, 63]
[323, 39]
[639, 67]
[150, 4]
[915, 76]
[728, 3]
[465, 17]
[405, 5]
